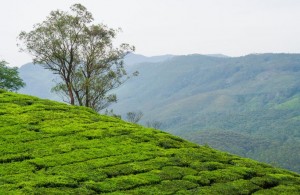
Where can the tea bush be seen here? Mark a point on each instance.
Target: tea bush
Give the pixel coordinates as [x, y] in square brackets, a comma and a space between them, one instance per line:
[53, 148]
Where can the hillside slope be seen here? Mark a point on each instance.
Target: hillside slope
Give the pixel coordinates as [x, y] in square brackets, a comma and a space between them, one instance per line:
[49, 147]
[245, 105]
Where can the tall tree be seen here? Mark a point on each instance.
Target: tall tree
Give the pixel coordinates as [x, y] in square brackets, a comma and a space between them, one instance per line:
[9, 78]
[81, 53]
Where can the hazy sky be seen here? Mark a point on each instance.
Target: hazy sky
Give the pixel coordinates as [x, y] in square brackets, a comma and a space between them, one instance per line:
[156, 27]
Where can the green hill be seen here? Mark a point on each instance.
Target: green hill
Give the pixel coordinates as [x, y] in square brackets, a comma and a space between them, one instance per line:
[244, 105]
[52, 148]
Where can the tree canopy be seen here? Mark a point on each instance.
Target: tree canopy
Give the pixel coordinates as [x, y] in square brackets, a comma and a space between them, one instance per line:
[81, 53]
[9, 78]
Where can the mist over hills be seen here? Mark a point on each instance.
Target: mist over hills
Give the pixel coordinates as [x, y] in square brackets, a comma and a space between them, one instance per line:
[39, 81]
[245, 105]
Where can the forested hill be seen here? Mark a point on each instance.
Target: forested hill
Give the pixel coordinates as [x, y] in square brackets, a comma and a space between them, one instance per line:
[247, 105]
[52, 148]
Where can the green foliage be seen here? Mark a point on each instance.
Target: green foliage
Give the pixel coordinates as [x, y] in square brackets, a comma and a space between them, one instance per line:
[245, 105]
[9, 78]
[53, 148]
[81, 53]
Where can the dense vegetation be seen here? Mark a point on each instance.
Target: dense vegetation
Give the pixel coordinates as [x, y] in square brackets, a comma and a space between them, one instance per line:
[9, 78]
[246, 105]
[49, 147]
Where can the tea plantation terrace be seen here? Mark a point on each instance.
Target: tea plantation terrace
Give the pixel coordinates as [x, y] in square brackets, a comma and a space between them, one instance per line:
[52, 148]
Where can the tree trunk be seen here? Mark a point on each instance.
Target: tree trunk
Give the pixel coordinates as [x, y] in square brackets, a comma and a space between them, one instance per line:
[71, 95]
[87, 99]
[72, 100]
[87, 86]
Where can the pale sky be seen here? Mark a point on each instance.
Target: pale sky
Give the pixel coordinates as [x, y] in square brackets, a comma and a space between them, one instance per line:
[157, 27]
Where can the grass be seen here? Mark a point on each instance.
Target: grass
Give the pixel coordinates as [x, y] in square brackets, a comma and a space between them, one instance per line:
[52, 148]
[293, 103]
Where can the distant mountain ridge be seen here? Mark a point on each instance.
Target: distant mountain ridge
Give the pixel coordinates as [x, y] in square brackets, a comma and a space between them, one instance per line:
[246, 105]
[40, 81]
[132, 59]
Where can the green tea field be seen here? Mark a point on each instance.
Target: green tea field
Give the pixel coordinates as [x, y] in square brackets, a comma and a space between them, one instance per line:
[53, 148]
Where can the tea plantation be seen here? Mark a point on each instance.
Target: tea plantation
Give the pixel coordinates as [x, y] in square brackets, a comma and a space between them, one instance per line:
[52, 148]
